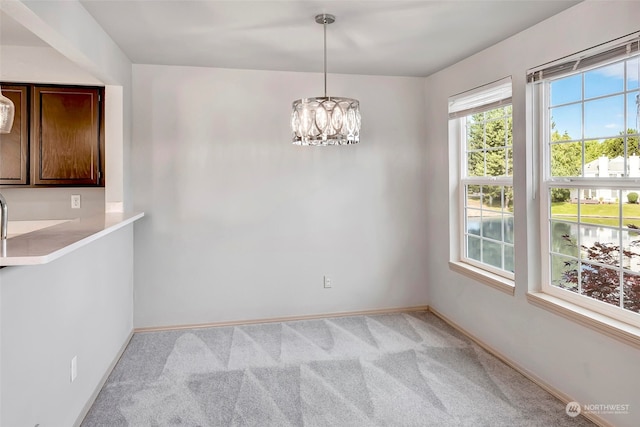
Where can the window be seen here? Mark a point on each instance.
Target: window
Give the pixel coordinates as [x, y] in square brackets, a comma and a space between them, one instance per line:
[482, 118]
[589, 117]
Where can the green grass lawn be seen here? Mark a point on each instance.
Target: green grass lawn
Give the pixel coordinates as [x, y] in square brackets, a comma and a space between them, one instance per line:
[605, 214]
[603, 210]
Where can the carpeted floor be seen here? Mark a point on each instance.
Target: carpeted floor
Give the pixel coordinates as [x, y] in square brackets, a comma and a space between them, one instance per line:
[409, 369]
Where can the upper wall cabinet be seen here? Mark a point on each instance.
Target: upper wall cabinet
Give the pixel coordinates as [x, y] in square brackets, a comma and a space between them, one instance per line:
[65, 146]
[66, 137]
[14, 147]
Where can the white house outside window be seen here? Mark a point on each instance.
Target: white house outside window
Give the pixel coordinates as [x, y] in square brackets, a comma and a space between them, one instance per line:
[589, 117]
[484, 122]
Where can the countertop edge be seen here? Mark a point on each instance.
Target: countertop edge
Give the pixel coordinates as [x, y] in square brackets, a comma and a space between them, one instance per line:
[127, 218]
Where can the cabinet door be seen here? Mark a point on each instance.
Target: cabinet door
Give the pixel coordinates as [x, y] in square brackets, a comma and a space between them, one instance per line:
[66, 136]
[14, 146]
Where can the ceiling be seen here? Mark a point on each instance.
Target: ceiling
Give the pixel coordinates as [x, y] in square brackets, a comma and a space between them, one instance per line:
[393, 37]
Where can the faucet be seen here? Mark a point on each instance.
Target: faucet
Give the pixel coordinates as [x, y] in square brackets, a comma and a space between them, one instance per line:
[4, 218]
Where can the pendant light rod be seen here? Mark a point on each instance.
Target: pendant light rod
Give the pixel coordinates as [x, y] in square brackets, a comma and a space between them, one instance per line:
[325, 19]
[324, 26]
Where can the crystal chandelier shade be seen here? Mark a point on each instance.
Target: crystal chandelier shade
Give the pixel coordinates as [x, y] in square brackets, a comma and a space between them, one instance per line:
[7, 112]
[325, 120]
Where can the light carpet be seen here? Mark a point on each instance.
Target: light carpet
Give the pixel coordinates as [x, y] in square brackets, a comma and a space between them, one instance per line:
[408, 369]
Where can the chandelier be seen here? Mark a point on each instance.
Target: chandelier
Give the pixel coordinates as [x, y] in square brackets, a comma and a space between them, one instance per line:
[326, 120]
[7, 111]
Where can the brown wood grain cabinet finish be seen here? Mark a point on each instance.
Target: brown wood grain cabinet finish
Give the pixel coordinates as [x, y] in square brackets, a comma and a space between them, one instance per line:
[66, 136]
[14, 146]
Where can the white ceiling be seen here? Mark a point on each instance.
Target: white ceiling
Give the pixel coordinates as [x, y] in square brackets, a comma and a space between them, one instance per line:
[392, 37]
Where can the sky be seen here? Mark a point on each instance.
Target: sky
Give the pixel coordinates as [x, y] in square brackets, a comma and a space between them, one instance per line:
[605, 91]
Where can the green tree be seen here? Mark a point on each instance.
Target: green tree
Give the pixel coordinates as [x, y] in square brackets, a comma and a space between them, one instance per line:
[614, 147]
[592, 150]
[566, 160]
[490, 152]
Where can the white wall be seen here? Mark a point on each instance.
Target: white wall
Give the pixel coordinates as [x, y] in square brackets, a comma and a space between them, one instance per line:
[52, 203]
[577, 361]
[62, 308]
[29, 64]
[78, 305]
[82, 51]
[243, 225]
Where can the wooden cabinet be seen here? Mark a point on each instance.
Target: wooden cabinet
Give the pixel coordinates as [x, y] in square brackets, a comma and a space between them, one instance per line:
[65, 143]
[65, 146]
[14, 146]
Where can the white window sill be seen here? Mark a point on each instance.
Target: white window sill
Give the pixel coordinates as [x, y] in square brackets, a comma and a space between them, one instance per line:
[495, 281]
[621, 331]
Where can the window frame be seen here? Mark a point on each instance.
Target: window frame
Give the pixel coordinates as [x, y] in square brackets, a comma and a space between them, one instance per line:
[493, 96]
[546, 182]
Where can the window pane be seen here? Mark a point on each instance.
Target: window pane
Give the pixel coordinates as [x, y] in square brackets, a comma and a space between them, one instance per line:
[568, 89]
[593, 169]
[474, 221]
[495, 135]
[508, 258]
[563, 202]
[631, 284]
[473, 195]
[475, 164]
[600, 244]
[492, 253]
[631, 211]
[601, 283]
[594, 149]
[604, 117]
[567, 121]
[474, 246]
[593, 211]
[475, 131]
[492, 227]
[566, 159]
[496, 199]
[632, 73]
[509, 171]
[507, 198]
[492, 197]
[564, 272]
[496, 162]
[564, 238]
[604, 80]
[633, 113]
[508, 228]
[631, 250]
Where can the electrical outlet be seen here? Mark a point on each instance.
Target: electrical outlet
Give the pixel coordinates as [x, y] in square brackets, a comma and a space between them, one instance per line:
[74, 368]
[75, 201]
[327, 281]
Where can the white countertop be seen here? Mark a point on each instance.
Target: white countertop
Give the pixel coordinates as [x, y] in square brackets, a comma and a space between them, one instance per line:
[52, 242]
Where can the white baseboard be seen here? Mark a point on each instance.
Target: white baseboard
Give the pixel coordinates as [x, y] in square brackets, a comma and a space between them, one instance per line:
[564, 398]
[284, 319]
[103, 380]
